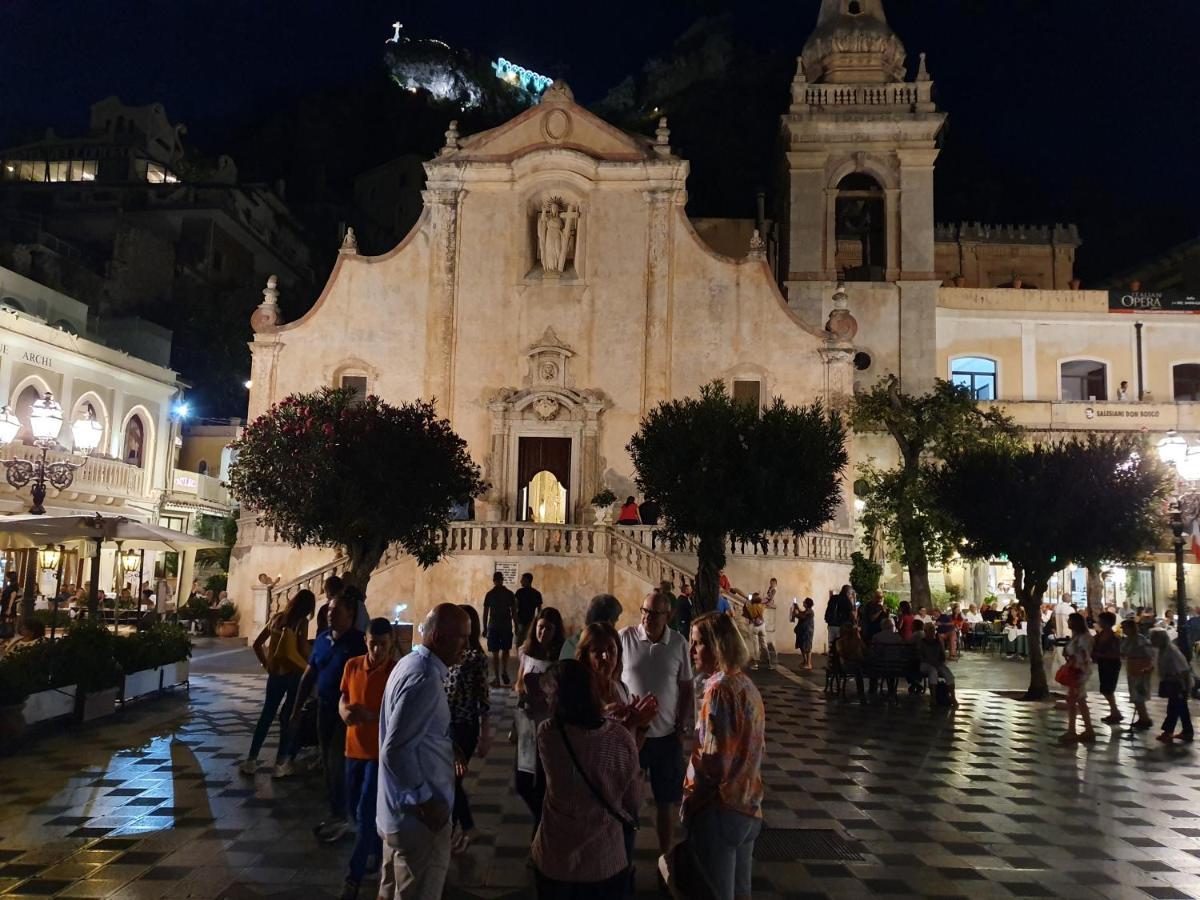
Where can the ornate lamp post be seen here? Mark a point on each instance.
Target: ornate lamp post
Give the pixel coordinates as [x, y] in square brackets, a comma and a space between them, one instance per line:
[1184, 508]
[45, 421]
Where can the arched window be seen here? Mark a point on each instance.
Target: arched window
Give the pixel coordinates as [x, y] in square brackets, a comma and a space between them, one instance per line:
[135, 442]
[975, 373]
[202, 467]
[859, 222]
[1084, 379]
[25, 400]
[1185, 378]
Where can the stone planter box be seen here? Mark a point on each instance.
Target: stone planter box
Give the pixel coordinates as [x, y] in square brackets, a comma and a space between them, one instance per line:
[136, 684]
[50, 704]
[175, 673]
[96, 704]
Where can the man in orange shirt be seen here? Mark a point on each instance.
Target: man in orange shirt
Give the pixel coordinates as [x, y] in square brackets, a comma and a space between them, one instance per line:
[363, 683]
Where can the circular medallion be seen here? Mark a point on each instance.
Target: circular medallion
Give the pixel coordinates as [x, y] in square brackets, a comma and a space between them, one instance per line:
[556, 125]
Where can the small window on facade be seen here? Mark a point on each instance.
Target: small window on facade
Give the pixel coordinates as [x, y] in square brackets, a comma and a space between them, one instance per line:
[202, 467]
[135, 439]
[976, 374]
[1186, 380]
[357, 384]
[747, 392]
[1084, 379]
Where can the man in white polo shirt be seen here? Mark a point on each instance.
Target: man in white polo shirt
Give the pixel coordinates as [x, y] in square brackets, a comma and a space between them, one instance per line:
[656, 662]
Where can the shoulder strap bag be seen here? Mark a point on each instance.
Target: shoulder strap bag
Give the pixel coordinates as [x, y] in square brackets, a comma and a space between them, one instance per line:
[628, 826]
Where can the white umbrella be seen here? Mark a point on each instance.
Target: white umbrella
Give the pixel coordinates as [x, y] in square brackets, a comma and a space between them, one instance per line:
[35, 531]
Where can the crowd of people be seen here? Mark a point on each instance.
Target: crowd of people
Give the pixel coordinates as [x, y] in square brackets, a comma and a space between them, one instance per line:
[607, 721]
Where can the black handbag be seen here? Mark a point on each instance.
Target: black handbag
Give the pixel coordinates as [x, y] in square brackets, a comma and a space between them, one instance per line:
[628, 826]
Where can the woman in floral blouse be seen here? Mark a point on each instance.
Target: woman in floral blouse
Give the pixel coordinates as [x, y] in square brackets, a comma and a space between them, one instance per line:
[723, 790]
[470, 726]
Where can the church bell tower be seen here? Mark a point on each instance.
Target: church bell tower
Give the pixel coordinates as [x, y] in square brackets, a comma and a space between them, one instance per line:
[861, 145]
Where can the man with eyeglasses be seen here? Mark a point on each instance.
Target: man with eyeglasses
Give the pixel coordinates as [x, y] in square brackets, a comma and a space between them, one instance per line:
[656, 662]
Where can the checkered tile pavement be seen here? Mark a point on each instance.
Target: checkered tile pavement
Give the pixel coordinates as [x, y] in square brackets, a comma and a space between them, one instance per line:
[976, 803]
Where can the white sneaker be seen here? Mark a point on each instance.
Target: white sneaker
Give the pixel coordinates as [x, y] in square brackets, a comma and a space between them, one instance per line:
[248, 766]
[284, 769]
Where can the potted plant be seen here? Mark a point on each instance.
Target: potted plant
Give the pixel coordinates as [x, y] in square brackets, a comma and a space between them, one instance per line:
[141, 670]
[86, 657]
[603, 503]
[49, 679]
[14, 689]
[174, 649]
[227, 615]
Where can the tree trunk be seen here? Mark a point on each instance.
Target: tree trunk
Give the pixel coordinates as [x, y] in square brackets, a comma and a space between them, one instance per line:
[1095, 590]
[918, 570]
[364, 558]
[710, 560]
[1030, 592]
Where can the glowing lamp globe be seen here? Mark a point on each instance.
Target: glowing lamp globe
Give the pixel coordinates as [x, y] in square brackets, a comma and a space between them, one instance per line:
[49, 557]
[1172, 449]
[86, 432]
[45, 418]
[130, 561]
[10, 425]
[1189, 468]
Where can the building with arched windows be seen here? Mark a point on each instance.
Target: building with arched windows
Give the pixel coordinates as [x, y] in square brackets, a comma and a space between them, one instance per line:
[49, 345]
[553, 290]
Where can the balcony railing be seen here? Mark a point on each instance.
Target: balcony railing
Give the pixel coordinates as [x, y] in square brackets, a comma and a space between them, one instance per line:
[905, 94]
[99, 475]
[202, 487]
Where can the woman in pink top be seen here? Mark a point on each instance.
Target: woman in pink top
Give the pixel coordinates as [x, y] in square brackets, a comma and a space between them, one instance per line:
[723, 790]
[593, 789]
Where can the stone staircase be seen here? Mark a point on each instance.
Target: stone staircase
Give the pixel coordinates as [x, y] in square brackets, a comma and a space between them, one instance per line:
[637, 550]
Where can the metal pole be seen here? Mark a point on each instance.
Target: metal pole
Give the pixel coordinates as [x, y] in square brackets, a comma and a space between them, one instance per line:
[1141, 381]
[57, 590]
[1181, 613]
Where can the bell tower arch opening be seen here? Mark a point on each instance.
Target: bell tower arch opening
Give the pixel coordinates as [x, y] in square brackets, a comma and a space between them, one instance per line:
[860, 231]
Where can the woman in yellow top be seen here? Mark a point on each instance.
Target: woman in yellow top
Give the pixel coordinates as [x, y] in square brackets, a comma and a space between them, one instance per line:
[282, 648]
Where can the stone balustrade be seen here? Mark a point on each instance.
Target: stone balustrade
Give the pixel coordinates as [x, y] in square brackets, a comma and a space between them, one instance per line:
[99, 475]
[524, 539]
[904, 94]
[825, 546]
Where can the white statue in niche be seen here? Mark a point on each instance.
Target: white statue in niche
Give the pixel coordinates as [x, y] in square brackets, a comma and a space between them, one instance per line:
[556, 233]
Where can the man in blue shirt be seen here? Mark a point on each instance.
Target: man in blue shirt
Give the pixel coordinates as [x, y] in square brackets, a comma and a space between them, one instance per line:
[332, 647]
[416, 761]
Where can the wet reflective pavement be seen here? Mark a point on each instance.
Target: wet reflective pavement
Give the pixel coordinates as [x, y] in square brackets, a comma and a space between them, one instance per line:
[976, 803]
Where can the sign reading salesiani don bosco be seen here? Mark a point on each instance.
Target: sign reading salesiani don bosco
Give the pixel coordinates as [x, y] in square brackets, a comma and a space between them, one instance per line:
[1152, 301]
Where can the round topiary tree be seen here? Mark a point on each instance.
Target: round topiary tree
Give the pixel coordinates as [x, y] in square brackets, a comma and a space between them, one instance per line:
[331, 469]
[719, 468]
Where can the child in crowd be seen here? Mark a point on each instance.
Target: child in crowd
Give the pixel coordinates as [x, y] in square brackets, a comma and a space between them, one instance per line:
[363, 681]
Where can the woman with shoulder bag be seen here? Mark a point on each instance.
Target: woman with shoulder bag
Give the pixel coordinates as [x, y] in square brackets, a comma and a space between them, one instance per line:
[1078, 668]
[593, 790]
[282, 649]
[1174, 685]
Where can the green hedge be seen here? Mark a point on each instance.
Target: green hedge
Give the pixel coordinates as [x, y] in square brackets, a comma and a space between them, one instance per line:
[91, 656]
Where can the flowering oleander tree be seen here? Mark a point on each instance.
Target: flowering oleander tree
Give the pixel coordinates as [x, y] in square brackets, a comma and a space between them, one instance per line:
[332, 469]
[719, 469]
[1046, 505]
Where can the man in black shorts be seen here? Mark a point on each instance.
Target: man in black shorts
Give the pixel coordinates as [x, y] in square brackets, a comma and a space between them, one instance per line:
[499, 616]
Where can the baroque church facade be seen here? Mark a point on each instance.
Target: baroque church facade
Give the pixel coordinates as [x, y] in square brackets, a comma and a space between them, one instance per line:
[553, 291]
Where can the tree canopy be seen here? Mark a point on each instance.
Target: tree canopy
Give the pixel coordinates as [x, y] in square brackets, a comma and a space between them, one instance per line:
[330, 469]
[898, 501]
[1046, 505]
[719, 468]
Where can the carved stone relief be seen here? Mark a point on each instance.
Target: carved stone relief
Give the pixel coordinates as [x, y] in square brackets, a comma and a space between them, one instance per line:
[557, 234]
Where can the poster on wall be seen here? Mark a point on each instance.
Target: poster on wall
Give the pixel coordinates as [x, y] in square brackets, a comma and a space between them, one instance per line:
[1152, 302]
[509, 571]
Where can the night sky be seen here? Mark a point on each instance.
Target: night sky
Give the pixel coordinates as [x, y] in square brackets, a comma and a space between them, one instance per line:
[1076, 111]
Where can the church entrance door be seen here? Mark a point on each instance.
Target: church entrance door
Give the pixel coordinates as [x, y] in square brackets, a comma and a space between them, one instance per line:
[543, 479]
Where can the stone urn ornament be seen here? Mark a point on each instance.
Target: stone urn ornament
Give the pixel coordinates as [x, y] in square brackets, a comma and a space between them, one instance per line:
[602, 503]
[841, 324]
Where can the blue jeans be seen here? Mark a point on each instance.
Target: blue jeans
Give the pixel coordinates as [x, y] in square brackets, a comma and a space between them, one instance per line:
[280, 689]
[362, 781]
[722, 845]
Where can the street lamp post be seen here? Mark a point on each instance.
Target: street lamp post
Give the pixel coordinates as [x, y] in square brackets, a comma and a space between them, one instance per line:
[50, 559]
[45, 421]
[1184, 461]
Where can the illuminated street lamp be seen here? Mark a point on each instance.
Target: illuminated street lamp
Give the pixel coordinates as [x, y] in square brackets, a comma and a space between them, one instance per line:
[46, 421]
[1184, 507]
[50, 560]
